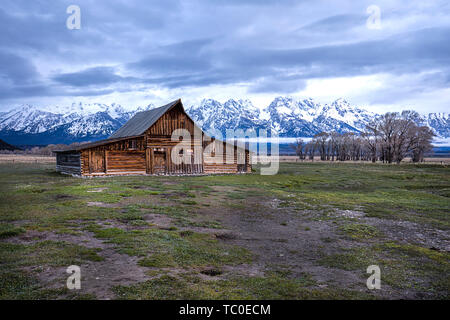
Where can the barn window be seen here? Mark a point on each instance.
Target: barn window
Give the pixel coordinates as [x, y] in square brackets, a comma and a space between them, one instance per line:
[132, 144]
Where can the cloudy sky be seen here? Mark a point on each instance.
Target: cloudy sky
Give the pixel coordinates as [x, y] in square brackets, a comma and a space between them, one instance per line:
[136, 52]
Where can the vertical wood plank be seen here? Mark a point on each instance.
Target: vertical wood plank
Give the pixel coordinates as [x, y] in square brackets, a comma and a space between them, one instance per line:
[106, 161]
[152, 161]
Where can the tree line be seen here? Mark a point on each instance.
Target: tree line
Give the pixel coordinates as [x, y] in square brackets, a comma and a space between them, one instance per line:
[389, 138]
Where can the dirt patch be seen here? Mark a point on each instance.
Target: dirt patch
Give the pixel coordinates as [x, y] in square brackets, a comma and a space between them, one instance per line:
[413, 233]
[113, 224]
[223, 189]
[174, 194]
[159, 220]
[289, 240]
[251, 270]
[97, 190]
[85, 239]
[101, 204]
[170, 183]
[352, 214]
[97, 278]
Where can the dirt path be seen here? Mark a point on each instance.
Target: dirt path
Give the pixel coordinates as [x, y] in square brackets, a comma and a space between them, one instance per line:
[289, 241]
[97, 277]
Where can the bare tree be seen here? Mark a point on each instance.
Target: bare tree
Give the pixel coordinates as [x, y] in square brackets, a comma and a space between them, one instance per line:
[310, 149]
[320, 140]
[299, 147]
[370, 137]
[389, 138]
[421, 139]
[387, 128]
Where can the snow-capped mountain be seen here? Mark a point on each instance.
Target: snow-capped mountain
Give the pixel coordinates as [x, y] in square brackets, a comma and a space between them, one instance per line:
[214, 116]
[287, 116]
[292, 118]
[341, 111]
[440, 123]
[295, 118]
[28, 119]
[76, 123]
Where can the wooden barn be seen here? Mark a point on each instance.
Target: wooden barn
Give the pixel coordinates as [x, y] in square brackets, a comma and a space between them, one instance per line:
[148, 144]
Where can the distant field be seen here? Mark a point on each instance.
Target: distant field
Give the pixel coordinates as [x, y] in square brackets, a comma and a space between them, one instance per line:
[18, 158]
[8, 158]
[282, 158]
[309, 232]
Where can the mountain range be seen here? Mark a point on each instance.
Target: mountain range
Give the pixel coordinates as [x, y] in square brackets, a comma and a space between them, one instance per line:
[31, 125]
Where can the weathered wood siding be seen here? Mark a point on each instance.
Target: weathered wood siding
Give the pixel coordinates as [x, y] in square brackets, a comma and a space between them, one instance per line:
[125, 161]
[160, 144]
[122, 157]
[216, 159]
[68, 163]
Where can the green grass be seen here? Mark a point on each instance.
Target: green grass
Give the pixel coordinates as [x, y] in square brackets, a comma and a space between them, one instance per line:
[16, 283]
[8, 230]
[358, 231]
[166, 248]
[22, 285]
[403, 266]
[247, 288]
[35, 198]
[53, 253]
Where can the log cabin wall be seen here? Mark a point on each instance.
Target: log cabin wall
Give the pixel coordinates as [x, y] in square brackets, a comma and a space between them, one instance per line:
[68, 163]
[122, 157]
[216, 161]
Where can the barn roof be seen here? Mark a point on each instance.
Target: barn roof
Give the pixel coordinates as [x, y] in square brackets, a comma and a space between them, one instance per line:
[94, 144]
[142, 121]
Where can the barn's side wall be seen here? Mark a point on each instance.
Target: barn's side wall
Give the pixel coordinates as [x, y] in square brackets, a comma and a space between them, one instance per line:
[216, 159]
[69, 163]
[122, 157]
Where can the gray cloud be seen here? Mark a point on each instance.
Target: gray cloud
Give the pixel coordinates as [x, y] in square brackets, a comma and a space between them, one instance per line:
[15, 69]
[88, 77]
[186, 56]
[278, 85]
[268, 46]
[334, 23]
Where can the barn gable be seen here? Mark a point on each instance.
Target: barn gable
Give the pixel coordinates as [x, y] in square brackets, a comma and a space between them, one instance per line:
[142, 121]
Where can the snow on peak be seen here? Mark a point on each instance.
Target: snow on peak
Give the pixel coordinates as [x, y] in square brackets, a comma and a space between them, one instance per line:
[288, 116]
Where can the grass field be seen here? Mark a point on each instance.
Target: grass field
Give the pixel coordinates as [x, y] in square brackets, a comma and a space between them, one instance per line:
[309, 232]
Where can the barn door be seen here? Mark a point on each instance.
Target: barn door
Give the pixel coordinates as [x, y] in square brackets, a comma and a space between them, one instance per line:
[97, 162]
[159, 162]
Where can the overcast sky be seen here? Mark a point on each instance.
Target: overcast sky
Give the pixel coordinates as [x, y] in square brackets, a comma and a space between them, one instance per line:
[136, 52]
